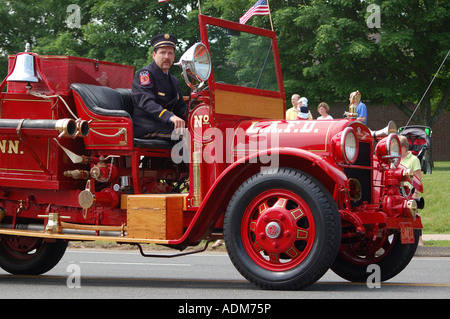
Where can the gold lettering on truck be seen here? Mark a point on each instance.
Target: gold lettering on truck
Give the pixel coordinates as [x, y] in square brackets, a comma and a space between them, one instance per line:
[10, 147]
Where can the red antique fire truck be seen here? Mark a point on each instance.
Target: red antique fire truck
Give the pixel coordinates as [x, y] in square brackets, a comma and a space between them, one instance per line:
[291, 199]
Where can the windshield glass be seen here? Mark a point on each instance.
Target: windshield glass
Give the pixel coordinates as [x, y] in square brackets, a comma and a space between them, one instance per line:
[242, 59]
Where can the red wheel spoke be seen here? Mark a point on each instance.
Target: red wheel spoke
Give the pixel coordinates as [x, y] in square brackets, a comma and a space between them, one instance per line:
[302, 234]
[278, 229]
[281, 202]
[262, 208]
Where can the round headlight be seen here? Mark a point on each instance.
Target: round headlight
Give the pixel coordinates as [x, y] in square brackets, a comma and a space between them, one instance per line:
[202, 62]
[394, 147]
[349, 145]
[394, 150]
[389, 150]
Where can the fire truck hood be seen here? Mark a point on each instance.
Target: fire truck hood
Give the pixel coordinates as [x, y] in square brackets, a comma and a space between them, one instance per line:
[309, 135]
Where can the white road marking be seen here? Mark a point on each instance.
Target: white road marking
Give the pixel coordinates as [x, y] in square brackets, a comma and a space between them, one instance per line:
[130, 264]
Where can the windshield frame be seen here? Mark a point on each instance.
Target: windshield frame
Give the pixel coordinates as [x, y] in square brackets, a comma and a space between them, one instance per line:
[204, 21]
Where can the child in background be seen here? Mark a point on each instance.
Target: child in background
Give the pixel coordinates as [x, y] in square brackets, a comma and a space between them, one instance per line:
[303, 111]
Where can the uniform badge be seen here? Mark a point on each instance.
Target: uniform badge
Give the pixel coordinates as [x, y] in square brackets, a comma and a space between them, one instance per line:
[144, 77]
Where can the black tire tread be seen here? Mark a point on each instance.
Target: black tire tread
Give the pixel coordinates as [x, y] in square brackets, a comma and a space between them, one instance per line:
[331, 220]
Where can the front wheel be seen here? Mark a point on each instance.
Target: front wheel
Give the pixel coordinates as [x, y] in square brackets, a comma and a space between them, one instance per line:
[29, 255]
[282, 230]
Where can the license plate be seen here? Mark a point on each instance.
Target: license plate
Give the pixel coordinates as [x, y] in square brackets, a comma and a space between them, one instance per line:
[407, 233]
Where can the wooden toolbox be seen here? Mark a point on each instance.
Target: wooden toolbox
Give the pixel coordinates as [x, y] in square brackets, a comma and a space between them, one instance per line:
[154, 216]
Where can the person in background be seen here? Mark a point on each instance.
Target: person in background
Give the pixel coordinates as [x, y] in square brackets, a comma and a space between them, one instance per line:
[323, 110]
[292, 113]
[409, 160]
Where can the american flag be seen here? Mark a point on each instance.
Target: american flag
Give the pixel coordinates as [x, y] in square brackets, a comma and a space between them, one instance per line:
[260, 8]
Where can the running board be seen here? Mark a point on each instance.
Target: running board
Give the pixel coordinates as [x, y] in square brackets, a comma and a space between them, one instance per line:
[79, 237]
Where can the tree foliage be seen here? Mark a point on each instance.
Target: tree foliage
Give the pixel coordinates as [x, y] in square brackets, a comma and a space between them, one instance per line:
[337, 52]
[328, 48]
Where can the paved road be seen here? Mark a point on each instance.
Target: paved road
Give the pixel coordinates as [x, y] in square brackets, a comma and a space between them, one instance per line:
[125, 274]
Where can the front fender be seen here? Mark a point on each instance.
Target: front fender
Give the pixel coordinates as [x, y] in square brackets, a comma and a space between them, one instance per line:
[217, 198]
[286, 157]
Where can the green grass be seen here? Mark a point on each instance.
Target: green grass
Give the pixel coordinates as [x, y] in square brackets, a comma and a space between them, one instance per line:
[436, 243]
[436, 214]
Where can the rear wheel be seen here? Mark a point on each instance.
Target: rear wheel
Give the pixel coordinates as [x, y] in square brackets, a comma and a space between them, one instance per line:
[29, 255]
[282, 230]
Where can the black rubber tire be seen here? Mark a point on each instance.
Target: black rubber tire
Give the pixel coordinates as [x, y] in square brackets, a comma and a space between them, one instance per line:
[327, 224]
[38, 258]
[391, 263]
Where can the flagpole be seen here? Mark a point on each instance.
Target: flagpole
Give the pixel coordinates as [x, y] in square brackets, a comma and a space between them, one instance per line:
[270, 15]
[199, 9]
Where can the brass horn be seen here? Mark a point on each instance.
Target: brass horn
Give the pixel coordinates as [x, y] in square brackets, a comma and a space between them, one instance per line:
[390, 128]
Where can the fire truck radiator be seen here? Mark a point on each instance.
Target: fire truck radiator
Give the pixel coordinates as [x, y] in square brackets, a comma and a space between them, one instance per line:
[364, 176]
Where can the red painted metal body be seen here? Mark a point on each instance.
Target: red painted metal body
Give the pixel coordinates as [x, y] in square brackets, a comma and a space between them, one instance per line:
[59, 72]
[234, 132]
[23, 178]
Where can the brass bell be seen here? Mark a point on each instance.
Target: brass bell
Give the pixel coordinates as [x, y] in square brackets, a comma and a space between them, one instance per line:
[24, 69]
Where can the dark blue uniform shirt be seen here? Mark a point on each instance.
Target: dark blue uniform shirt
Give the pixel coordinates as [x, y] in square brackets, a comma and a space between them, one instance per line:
[156, 97]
